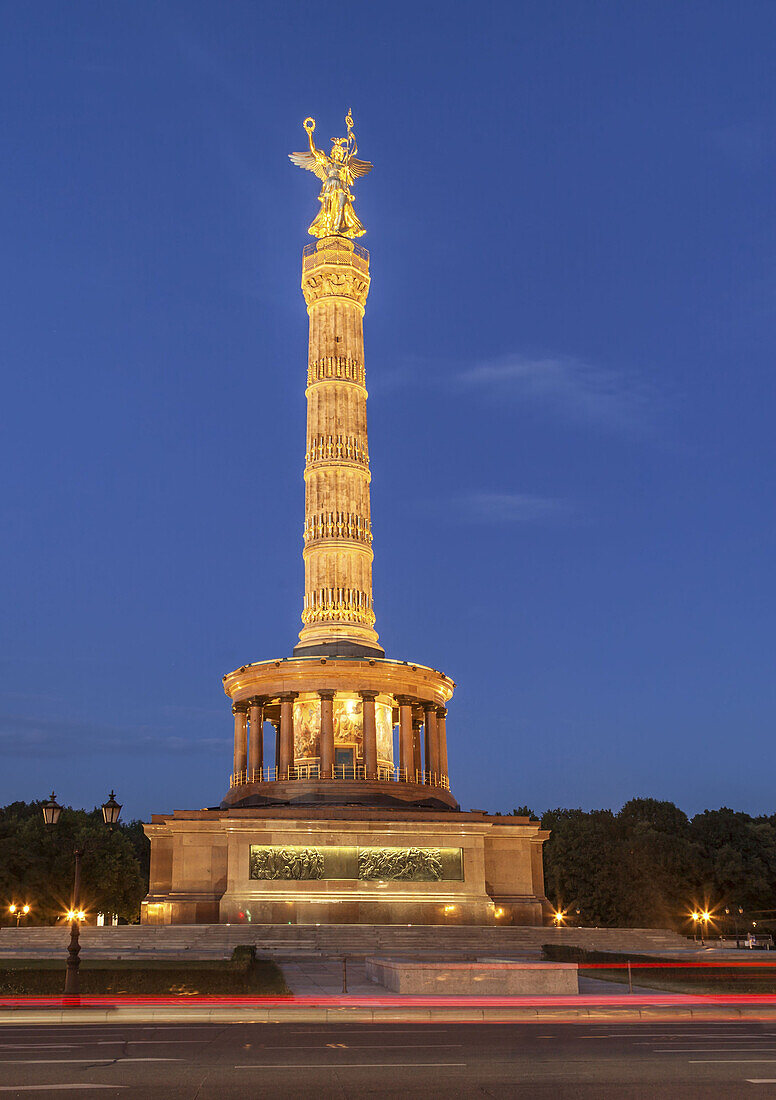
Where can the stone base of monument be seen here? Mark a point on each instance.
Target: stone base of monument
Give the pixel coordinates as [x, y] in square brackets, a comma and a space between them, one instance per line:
[360, 865]
[485, 978]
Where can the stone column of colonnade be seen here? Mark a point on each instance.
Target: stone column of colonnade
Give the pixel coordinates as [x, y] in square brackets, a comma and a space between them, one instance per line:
[442, 736]
[327, 734]
[406, 756]
[285, 758]
[256, 737]
[369, 731]
[338, 554]
[240, 762]
[430, 739]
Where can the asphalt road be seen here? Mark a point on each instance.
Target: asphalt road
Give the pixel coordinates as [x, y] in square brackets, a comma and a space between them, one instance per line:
[621, 1060]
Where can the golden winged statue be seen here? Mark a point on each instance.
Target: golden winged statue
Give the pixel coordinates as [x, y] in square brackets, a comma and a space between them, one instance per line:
[337, 173]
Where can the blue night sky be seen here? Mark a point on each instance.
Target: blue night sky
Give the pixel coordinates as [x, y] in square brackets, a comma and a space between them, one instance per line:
[569, 349]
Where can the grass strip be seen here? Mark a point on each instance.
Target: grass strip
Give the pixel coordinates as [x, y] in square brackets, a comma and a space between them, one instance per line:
[665, 977]
[242, 974]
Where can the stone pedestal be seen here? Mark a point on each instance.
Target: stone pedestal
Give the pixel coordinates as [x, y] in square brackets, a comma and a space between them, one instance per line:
[474, 979]
[339, 865]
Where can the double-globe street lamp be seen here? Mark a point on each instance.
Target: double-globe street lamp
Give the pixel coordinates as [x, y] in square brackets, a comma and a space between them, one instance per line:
[110, 815]
[735, 921]
[18, 911]
[702, 920]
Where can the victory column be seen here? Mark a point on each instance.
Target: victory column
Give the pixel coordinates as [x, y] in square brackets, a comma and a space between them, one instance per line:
[333, 828]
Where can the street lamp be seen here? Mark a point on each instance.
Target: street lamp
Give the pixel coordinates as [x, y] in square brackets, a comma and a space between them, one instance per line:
[18, 911]
[75, 914]
[705, 917]
[51, 810]
[736, 915]
[111, 810]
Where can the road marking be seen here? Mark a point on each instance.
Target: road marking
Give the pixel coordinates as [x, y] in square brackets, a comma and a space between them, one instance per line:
[717, 1050]
[366, 1046]
[731, 1061]
[136, 1042]
[682, 1036]
[708, 1038]
[78, 1061]
[359, 1065]
[761, 1080]
[95, 1043]
[362, 1026]
[55, 1088]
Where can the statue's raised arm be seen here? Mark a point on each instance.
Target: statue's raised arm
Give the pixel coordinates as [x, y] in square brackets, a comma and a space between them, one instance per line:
[337, 173]
[314, 161]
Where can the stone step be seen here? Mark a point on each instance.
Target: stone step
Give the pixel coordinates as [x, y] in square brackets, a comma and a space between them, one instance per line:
[192, 941]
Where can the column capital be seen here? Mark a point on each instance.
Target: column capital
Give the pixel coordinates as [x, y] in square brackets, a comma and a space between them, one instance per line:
[429, 707]
[288, 696]
[240, 707]
[326, 693]
[257, 701]
[404, 700]
[369, 696]
[441, 712]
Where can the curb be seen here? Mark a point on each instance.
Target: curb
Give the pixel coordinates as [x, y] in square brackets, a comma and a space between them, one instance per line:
[360, 1014]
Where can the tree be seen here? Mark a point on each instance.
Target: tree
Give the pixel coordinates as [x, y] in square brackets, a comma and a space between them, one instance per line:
[36, 863]
[738, 859]
[524, 811]
[637, 868]
[582, 862]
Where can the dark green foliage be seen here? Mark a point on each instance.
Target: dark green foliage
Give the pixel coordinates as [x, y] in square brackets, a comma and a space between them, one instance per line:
[36, 863]
[246, 975]
[649, 866]
[673, 979]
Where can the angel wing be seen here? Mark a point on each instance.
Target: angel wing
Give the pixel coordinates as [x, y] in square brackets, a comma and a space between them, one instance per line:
[310, 162]
[359, 167]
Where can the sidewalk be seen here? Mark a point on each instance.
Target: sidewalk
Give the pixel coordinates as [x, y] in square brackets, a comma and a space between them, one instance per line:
[313, 977]
[388, 1008]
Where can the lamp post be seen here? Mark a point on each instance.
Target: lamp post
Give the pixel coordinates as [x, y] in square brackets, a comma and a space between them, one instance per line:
[51, 813]
[736, 914]
[18, 911]
[701, 920]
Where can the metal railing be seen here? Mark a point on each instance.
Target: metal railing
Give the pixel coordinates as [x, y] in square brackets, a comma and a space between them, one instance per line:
[358, 250]
[352, 772]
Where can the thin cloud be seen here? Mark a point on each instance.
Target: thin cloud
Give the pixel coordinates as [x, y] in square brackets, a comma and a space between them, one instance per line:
[565, 386]
[509, 508]
[25, 736]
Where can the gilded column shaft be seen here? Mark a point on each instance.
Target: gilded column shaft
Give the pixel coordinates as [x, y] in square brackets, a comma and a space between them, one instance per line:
[337, 531]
